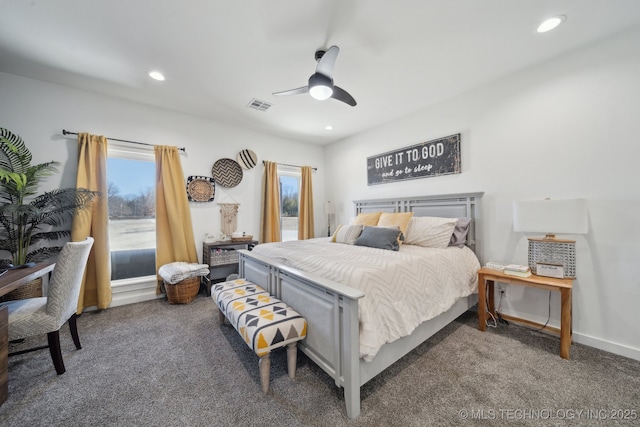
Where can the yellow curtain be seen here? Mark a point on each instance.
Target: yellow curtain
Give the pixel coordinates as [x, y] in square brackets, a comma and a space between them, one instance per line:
[270, 212]
[174, 230]
[305, 210]
[94, 222]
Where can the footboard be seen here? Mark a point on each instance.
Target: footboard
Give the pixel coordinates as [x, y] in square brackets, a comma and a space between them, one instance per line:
[331, 310]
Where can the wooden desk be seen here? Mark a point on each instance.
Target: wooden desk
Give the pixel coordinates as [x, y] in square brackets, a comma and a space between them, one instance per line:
[564, 286]
[11, 280]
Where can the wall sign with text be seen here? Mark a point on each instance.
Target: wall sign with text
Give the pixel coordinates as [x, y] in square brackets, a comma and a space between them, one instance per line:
[433, 158]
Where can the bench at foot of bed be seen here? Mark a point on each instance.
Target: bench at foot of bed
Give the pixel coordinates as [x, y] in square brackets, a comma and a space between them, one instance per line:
[264, 322]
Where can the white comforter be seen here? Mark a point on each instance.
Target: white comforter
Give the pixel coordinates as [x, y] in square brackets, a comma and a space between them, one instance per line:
[402, 289]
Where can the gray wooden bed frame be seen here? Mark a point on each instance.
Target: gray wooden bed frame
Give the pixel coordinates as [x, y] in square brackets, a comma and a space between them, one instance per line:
[331, 308]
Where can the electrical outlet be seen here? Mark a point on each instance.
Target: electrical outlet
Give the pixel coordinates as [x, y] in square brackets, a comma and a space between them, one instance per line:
[502, 291]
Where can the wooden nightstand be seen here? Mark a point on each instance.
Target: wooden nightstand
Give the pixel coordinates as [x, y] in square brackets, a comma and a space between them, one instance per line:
[490, 276]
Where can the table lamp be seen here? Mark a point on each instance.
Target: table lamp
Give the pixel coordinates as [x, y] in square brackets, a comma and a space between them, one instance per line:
[329, 210]
[550, 256]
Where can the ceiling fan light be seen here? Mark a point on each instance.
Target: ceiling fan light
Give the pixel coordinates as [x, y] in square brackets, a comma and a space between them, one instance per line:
[156, 75]
[321, 92]
[551, 23]
[320, 87]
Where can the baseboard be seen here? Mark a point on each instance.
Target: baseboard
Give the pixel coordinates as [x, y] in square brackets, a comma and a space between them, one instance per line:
[600, 344]
[133, 297]
[130, 291]
[611, 347]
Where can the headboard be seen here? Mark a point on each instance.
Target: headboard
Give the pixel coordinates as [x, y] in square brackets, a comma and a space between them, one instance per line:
[466, 205]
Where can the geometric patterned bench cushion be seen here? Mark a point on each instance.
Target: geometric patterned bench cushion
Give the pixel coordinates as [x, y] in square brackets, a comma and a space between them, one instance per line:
[264, 322]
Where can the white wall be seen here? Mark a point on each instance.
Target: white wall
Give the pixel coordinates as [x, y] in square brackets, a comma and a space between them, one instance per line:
[565, 129]
[38, 111]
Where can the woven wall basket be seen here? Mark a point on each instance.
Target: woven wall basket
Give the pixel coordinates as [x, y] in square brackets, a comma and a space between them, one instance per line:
[32, 289]
[227, 172]
[201, 189]
[182, 292]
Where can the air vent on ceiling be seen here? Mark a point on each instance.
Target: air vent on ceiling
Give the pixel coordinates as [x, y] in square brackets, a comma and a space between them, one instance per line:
[256, 104]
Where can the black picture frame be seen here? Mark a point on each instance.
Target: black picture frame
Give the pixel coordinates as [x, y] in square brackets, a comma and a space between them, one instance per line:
[432, 158]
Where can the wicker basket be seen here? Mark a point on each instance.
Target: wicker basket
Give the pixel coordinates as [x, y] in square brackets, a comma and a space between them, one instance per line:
[32, 289]
[182, 292]
[224, 257]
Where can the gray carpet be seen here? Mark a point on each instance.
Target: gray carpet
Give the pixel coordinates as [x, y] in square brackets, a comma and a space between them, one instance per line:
[158, 364]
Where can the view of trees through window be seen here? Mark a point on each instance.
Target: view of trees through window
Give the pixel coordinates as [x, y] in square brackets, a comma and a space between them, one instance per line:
[289, 197]
[131, 206]
[132, 217]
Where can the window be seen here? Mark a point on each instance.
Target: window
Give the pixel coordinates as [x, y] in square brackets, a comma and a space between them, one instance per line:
[132, 214]
[289, 201]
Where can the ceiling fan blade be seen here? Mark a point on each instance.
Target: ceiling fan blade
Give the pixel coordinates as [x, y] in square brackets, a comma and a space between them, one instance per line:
[298, 91]
[342, 95]
[328, 60]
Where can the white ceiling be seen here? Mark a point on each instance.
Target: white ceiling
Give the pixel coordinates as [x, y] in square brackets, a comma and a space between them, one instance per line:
[396, 57]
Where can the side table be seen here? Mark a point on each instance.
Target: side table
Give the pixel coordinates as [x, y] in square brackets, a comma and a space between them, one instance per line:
[222, 259]
[487, 278]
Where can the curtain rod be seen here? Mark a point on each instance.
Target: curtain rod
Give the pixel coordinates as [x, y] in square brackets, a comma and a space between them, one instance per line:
[66, 132]
[293, 166]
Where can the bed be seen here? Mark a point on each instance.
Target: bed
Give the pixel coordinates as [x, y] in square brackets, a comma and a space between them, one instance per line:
[341, 338]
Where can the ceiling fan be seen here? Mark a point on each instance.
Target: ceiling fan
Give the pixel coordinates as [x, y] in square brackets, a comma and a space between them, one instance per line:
[321, 85]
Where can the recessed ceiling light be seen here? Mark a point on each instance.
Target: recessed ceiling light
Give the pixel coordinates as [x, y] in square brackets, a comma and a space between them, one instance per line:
[551, 23]
[328, 127]
[156, 75]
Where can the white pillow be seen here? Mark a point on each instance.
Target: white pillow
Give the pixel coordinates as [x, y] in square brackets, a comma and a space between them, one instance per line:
[347, 234]
[430, 231]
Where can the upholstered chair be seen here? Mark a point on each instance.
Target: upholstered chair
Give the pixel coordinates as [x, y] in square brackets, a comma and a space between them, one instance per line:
[46, 315]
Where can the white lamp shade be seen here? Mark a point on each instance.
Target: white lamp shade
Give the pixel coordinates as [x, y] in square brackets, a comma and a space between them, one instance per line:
[568, 216]
[328, 208]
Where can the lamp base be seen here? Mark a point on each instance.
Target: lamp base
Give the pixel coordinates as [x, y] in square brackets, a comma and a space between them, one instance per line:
[553, 251]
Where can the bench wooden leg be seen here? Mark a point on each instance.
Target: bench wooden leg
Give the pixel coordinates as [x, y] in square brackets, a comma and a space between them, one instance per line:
[220, 317]
[264, 364]
[292, 358]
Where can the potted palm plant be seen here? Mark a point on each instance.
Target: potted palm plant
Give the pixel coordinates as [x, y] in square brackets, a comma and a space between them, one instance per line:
[31, 225]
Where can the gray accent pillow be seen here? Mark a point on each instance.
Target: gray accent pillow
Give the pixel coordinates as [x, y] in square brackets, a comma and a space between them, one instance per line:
[380, 237]
[460, 231]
